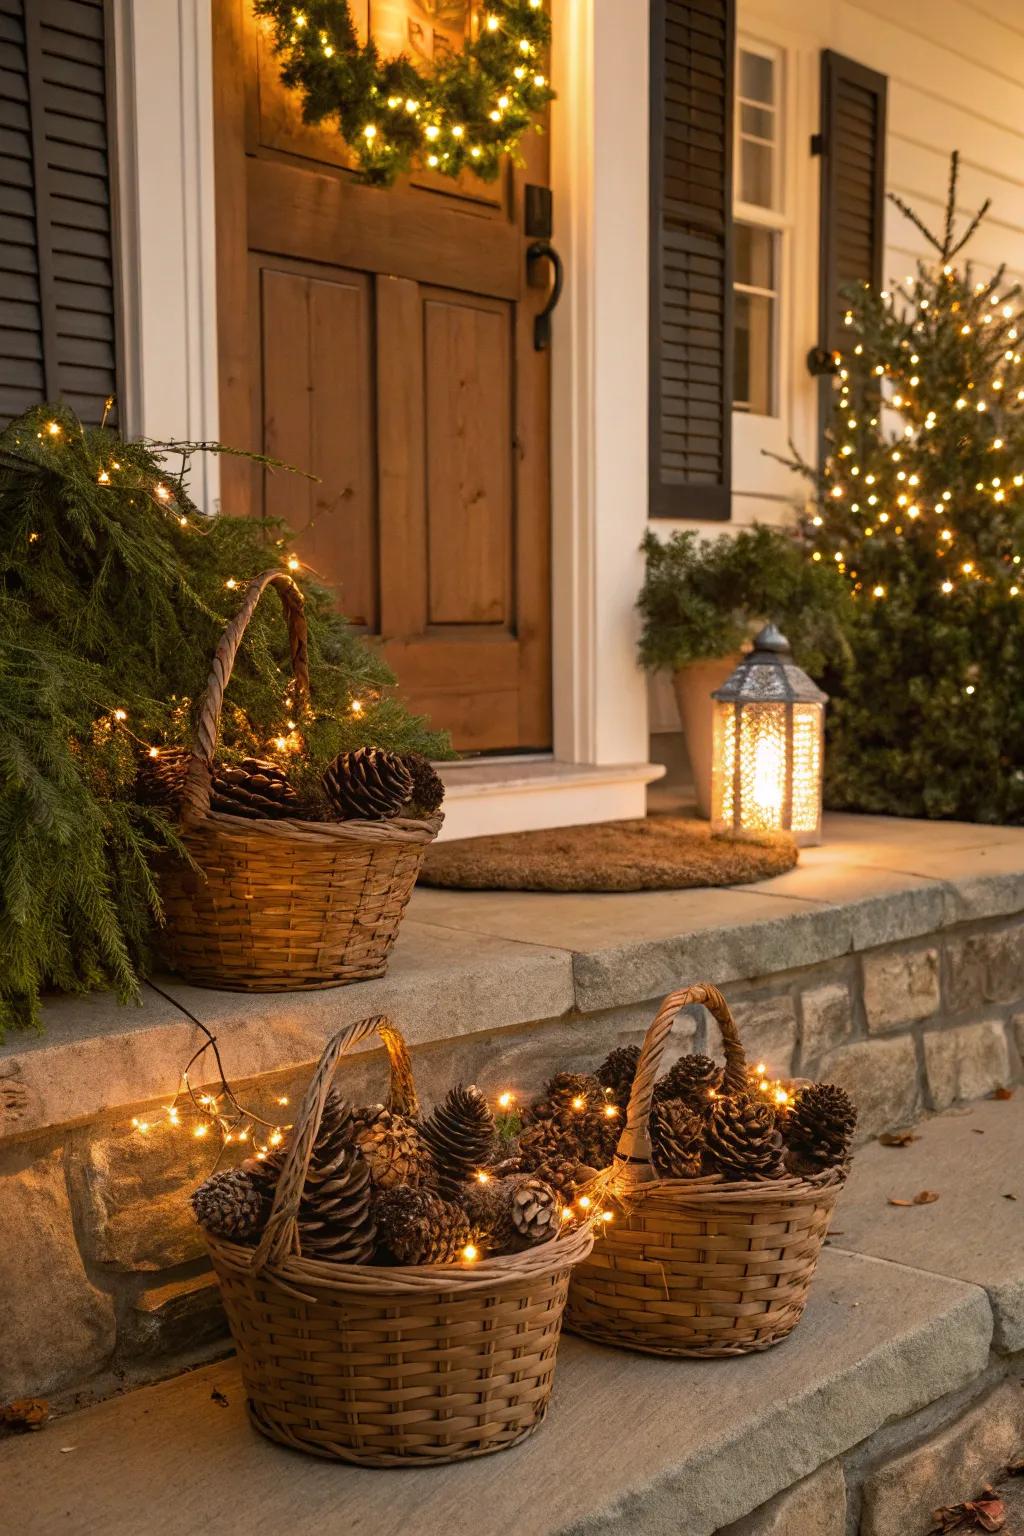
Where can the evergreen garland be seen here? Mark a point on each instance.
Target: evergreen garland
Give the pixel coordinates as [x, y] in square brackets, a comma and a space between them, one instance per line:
[472, 108]
[114, 590]
[921, 509]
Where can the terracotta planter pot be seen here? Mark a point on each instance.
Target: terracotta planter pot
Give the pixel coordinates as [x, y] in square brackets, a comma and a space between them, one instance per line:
[694, 685]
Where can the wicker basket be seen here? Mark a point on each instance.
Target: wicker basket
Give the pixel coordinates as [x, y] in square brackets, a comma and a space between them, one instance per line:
[697, 1266]
[390, 1367]
[279, 906]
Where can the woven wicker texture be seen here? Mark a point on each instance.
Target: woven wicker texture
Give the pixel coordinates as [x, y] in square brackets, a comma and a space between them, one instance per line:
[281, 905]
[390, 1367]
[698, 1267]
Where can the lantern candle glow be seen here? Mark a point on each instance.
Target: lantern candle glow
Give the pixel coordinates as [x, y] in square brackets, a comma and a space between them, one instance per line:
[768, 746]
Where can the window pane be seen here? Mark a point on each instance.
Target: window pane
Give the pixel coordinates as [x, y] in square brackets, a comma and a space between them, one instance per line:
[757, 121]
[757, 77]
[755, 173]
[754, 256]
[753, 364]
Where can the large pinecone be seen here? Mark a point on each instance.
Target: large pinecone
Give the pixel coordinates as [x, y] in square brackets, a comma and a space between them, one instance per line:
[677, 1140]
[160, 779]
[395, 1150]
[517, 1211]
[741, 1139]
[252, 788]
[418, 1227]
[335, 1212]
[541, 1153]
[579, 1120]
[460, 1133]
[819, 1128]
[368, 784]
[694, 1079]
[617, 1071]
[427, 785]
[230, 1204]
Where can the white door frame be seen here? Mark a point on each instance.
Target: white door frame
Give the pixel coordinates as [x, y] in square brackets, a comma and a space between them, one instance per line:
[165, 103]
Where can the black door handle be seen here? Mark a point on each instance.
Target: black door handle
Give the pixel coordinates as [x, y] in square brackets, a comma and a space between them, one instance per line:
[543, 250]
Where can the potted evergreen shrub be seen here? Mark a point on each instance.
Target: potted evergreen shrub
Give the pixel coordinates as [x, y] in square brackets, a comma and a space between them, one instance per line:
[702, 600]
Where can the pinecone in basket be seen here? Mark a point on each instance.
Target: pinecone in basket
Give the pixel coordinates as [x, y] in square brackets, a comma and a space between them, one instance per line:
[460, 1134]
[617, 1071]
[335, 1211]
[230, 1204]
[517, 1211]
[394, 1149]
[416, 1226]
[677, 1140]
[368, 784]
[542, 1152]
[741, 1138]
[160, 777]
[252, 788]
[694, 1079]
[427, 785]
[582, 1122]
[819, 1128]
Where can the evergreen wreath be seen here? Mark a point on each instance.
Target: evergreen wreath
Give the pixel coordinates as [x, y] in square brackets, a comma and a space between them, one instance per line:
[465, 114]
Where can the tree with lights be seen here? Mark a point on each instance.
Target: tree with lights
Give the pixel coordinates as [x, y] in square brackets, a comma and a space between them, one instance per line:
[921, 508]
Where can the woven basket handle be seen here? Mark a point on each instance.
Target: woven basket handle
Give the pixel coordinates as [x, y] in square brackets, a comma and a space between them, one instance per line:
[633, 1153]
[196, 798]
[281, 1234]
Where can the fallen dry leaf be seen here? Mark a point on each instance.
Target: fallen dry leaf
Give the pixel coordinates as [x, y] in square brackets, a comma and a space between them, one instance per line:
[977, 1130]
[25, 1413]
[926, 1197]
[898, 1138]
[1009, 1197]
[985, 1514]
[218, 1397]
[894, 1201]
[1016, 1467]
[1001, 1093]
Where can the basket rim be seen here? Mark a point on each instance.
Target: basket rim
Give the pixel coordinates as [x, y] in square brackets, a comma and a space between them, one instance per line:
[369, 1281]
[399, 829]
[713, 1189]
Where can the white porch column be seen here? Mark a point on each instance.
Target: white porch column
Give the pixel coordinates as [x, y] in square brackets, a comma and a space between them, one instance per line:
[163, 70]
[600, 385]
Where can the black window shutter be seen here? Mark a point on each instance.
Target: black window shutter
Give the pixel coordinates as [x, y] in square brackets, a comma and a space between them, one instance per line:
[58, 314]
[853, 102]
[692, 74]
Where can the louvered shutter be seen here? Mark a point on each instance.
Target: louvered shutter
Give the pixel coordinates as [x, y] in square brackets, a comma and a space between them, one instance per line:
[692, 69]
[57, 269]
[853, 102]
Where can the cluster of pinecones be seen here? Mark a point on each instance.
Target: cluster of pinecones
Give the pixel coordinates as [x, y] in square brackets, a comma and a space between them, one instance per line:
[388, 1187]
[696, 1128]
[368, 784]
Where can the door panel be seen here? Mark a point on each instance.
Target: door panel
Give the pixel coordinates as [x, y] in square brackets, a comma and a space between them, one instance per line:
[382, 340]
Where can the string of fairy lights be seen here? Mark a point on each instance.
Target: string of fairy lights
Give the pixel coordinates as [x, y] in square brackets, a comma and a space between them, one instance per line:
[899, 497]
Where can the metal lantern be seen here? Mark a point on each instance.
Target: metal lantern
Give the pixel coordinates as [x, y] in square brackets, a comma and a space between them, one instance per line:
[768, 745]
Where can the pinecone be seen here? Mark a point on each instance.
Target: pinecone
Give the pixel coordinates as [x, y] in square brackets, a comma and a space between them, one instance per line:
[741, 1140]
[460, 1134]
[542, 1152]
[160, 779]
[252, 788]
[677, 1138]
[368, 784]
[693, 1079]
[419, 1227]
[617, 1071]
[427, 786]
[394, 1149]
[572, 1090]
[335, 1212]
[517, 1211]
[230, 1204]
[819, 1128]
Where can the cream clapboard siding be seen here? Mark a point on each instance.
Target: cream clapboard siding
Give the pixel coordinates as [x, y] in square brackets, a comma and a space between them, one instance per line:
[956, 81]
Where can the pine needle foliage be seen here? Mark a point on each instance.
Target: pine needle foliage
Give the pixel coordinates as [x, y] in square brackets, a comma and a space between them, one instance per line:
[920, 507]
[114, 590]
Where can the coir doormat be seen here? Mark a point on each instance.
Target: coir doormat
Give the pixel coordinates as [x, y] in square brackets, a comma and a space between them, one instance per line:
[659, 853]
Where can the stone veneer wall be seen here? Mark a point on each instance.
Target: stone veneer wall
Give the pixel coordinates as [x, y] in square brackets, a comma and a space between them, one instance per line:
[102, 1273]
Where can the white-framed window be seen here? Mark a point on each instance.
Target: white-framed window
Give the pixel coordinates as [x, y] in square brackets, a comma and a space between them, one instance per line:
[759, 258]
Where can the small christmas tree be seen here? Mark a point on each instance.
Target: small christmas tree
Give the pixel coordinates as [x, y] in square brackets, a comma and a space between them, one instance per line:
[922, 510]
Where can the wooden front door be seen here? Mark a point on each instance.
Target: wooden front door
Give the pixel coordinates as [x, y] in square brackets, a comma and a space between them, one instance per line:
[383, 340]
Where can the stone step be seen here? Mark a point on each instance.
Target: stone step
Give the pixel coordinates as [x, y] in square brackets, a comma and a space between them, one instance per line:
[901, 1317]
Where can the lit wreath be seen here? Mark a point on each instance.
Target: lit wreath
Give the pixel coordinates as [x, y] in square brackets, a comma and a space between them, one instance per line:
[468, 112]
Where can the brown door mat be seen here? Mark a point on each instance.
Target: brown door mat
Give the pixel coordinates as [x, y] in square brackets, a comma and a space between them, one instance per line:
[656, 854]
